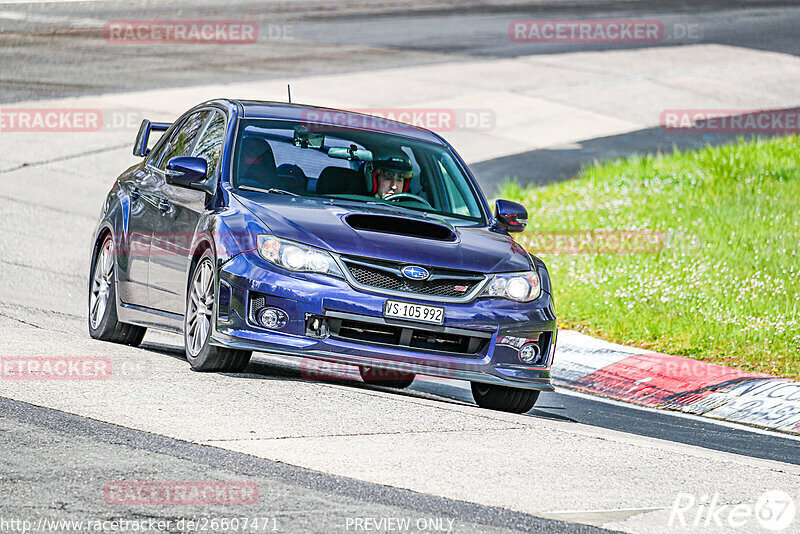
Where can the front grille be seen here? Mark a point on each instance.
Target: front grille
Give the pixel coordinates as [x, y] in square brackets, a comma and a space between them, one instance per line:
[419, 337]
[374, 333]
[388, 276]
[376, 278]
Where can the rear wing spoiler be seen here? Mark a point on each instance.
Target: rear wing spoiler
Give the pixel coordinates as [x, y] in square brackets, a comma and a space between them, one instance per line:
[140, 146]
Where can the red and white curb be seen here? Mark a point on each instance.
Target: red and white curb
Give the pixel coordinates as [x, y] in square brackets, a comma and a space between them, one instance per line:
[674, 383]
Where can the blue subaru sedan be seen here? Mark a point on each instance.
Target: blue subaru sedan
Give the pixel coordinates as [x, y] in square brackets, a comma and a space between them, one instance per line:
[323, 234]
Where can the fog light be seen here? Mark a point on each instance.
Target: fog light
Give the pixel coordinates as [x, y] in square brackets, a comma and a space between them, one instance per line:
[272, 318]
[529, 353]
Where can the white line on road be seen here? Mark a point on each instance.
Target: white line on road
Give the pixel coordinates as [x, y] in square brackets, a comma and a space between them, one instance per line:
[22, 2]
[45, 19]
[646, 509]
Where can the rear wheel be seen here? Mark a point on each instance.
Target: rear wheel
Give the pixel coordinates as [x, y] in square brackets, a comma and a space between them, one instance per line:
[503, 398]
[103, 322]
[386, 377]
[200, 310]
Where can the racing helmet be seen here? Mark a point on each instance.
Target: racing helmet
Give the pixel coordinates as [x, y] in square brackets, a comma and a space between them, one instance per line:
[397, 163]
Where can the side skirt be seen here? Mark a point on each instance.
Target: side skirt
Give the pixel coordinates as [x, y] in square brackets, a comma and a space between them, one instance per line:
[150, 318]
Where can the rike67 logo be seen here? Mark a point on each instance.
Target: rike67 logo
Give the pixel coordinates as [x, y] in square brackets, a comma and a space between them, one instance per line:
[774, 511]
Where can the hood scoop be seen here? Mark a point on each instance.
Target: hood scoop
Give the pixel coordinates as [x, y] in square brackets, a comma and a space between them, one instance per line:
[400, 226]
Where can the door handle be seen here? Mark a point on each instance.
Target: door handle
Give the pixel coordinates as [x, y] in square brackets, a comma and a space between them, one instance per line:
[164, 206]
[135, 194]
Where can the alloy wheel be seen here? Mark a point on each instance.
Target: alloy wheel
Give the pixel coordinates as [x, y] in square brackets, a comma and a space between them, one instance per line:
[101, 283]
[201, 306]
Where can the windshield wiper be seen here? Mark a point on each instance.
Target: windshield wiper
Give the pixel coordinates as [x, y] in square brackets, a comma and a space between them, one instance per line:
[275, 191]
[272, 190]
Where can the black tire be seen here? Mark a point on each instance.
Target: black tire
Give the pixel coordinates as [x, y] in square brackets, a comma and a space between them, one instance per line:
[107, 327]
[376, 376]
[503, 398]
[209, 357]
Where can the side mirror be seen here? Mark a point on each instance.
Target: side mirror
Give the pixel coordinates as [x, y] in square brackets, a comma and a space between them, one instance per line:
[510, 216]
[188, 172]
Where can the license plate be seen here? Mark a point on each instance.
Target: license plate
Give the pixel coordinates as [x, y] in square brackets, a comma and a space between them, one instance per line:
[413, 312]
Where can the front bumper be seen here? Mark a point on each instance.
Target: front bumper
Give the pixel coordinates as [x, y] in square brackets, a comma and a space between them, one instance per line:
[493, 329]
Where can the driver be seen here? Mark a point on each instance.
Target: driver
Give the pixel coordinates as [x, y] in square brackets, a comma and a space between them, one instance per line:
[391, 175]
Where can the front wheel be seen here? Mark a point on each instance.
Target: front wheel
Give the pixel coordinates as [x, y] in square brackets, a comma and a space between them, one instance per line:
[504, 398]
[200, 309]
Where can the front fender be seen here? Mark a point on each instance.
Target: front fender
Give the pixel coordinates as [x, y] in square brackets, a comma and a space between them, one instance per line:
[229, 232]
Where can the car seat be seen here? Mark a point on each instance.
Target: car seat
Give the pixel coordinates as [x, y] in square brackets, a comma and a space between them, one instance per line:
[340, 181]
[256, 166]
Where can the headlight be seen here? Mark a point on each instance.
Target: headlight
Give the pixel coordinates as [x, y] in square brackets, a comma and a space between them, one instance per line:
[297, 257]
[522, 287]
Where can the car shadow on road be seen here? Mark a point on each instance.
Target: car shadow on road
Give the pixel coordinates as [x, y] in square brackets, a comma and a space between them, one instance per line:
[264, 366]
[277, 367]
[556, 164]
[173, 351]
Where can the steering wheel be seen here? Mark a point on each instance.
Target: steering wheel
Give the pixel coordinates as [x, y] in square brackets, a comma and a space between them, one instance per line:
[400, 196]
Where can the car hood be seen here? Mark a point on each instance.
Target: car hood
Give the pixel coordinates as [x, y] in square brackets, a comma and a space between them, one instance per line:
[329, 225]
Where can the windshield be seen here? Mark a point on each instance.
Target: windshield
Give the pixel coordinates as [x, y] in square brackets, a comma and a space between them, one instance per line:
[310, 160]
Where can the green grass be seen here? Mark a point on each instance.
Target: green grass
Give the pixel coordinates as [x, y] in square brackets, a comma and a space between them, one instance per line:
[724, 287]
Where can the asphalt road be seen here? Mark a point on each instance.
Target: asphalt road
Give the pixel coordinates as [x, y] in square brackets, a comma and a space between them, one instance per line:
[56, 465]
[58, 49]
[320, 452]
[44, 449]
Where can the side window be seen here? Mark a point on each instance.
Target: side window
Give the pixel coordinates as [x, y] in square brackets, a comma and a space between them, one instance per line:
[209, 147]
[181, 141]
[158, 150]
[457, 202]
[416, 180]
